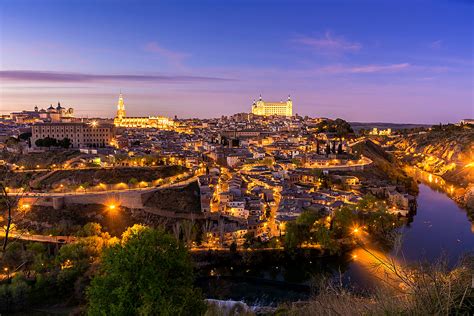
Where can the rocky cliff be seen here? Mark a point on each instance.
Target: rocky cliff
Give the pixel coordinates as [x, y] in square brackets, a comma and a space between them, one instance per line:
[445, 151]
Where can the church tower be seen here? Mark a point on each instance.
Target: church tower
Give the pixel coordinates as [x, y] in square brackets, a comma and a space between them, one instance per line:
[289, 107]
[120, 107]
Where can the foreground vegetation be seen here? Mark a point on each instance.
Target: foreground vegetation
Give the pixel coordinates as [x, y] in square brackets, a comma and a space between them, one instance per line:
[428, 289]
[148, 271]
[341, 230]
[144, 272]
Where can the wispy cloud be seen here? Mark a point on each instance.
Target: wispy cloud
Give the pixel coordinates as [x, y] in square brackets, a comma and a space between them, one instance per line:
[173, 57]
[436, 44]
[52, 76]
[328, 44]
[365, 69]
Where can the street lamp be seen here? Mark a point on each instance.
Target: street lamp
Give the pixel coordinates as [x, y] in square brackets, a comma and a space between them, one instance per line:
[7, 271]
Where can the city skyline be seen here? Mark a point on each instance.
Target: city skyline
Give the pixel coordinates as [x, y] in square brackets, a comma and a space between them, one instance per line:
[348, 60]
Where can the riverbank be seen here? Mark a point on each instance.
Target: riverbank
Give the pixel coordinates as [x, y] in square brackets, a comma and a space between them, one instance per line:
[438, 228]
[459, 194]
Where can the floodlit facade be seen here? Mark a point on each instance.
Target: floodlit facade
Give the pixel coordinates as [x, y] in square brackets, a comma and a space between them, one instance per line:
[281, 108]
[80, 134]
[121, 120]
[51, 114]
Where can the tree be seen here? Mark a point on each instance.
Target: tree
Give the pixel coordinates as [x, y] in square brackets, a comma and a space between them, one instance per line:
[39, 142]
[46, 142]
[133, 181]
[233, 247]
[11, 141]
[24, 136]
[148, 273]
[328, 149]
[65, 143]
[300, 230]
[90, 229]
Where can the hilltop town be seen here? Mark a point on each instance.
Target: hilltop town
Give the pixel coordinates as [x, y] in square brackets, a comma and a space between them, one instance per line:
[252, 173]
[228, 189]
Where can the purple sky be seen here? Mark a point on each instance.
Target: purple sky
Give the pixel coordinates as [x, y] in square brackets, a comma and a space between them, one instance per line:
[400, 61]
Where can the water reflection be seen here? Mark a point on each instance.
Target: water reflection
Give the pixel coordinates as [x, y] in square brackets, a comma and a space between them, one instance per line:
[439, 227]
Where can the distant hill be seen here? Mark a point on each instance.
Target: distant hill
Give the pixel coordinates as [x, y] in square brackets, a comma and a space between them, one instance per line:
[356, 126]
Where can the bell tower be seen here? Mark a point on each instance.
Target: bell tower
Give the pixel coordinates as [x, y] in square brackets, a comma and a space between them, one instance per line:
[120, 107]
[289, 106]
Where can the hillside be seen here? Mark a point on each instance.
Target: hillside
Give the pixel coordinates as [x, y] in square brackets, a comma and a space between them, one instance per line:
[179, 200]
[108, 176]
[446, 151]
[384, 168]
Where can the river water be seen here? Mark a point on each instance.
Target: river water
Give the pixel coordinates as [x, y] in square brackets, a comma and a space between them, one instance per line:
[439, 228]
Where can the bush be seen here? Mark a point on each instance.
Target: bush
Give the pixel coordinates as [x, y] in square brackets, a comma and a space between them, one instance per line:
[148, 273]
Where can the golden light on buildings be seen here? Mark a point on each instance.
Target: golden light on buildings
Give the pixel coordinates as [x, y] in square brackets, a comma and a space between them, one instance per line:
[356, 230]
[94, 123]
[282, 108]
[67, 264]
[121, 120]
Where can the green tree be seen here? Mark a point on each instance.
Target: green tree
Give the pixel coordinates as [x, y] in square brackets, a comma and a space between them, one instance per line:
[46, 142]
[25, 136]
[133, 181]
[148, 273]
[39, 142]
[301, 230]
[65, 143]
[343, 221]
[90, 229]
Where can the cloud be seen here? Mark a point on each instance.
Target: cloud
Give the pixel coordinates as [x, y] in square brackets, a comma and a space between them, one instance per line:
[365, 69]
[52, 76]
[328, 44]
[173, 57]
[436, 44]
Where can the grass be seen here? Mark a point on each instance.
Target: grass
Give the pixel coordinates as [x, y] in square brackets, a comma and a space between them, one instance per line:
[428, 289]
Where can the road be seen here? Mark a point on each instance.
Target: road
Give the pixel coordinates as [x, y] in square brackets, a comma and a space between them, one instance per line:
[41, 238]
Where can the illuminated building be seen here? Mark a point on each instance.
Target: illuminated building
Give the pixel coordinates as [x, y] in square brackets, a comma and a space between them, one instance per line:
[51, 114]
[281, 108]
[376, 131]
[80, 134]
[121, 120]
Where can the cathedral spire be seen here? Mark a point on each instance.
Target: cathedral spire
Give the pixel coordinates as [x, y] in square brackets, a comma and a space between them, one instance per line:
[120, 107]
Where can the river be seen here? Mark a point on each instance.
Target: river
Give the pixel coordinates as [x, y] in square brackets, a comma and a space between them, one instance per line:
[439, 228]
